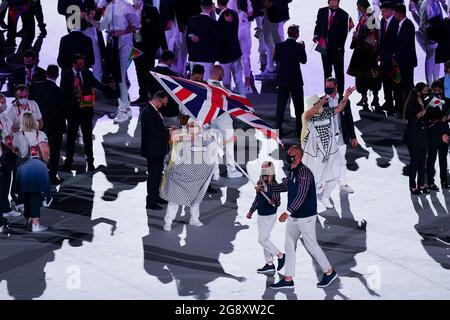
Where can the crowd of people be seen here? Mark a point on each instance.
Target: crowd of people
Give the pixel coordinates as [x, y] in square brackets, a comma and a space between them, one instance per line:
[211, 43]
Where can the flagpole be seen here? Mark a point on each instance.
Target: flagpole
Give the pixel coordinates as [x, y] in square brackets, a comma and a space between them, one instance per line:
[241, 169]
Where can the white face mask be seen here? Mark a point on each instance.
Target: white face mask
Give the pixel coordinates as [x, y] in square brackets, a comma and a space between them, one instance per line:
[23, 101]
[137, 3]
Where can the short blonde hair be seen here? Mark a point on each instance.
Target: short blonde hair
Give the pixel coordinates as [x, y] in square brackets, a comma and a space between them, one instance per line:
[28, 122]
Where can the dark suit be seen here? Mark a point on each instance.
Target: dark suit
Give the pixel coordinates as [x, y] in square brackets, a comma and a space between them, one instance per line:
[53, 104]
[406, 58]
[387, 47]
[154, 146]
[335, 37]
[153, 38]
[167, 11]
[347, 124]
[19, 76]
[75, 42]
[289, 54]
[171, 109]
[230, 48]
[279, 11]
[84, 5]
[185, 9]
[79, 117]
[207, 29]
[440, 32]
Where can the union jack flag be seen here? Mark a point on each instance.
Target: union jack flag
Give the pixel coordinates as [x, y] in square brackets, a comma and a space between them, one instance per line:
[205, 102]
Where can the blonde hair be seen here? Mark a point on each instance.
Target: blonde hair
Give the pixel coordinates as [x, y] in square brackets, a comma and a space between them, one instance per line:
[28, 122]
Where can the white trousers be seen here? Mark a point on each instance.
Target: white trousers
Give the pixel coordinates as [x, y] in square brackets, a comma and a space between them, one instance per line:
[245, 40]
[97, 67]
[265, 226]
[124, 54]
[307, 228]
[432, 69]
[234, 69]
[224, 124]
[273, 34]
[206, 65]
[325, 189]
[342, 151]
[172, 210]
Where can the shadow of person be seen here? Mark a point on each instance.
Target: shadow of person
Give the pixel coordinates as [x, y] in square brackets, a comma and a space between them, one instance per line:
[431, 226]
[383, 135]
[125, 168]
[269, 294]
[24, 255]
[342, 238]
[189, 255]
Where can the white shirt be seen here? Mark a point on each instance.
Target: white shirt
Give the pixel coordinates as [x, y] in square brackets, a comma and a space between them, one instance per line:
[118, 16]
[17, 113]
[24, 140]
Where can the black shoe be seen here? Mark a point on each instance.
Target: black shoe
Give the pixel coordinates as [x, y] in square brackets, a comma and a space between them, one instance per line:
[20, 33]
[267, 269]
[139, 101]
[56, 180]
[43, 31]
[415, 192]
[283, 284]
[91, 167]
[387, 106]
[444, 240]
[153, 206]
[444, 185]
[424, 190]
[211, 190]
[281, 262]
[327, 279]
[161, 201]
[433, 187]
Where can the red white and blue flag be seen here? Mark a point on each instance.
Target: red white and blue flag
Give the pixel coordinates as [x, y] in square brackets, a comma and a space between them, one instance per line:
[205, 102]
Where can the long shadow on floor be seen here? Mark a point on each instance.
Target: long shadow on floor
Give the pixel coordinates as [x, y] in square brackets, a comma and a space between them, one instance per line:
[190, 255]
[342, 238]
[24, 255]
[432, 225]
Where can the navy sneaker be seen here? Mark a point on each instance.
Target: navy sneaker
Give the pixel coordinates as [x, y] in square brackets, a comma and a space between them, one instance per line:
[281, 262]
[327, 279]
[282, 284]
[267, 269]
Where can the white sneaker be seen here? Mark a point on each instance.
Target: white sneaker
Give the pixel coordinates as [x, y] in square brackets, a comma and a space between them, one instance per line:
[38, 228]
[12, 214]
[122, 116]
[196, 223]
[327, 203]
[234, 174]
[346, 188]
[129, 113]
[167, 227]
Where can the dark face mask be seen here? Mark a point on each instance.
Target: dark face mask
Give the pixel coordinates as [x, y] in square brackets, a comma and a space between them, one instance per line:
[290, 159]
[438, 95]
[329, 90]
[29, 66]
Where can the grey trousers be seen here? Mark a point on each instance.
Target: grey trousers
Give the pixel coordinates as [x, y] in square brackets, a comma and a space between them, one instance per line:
[307, 228]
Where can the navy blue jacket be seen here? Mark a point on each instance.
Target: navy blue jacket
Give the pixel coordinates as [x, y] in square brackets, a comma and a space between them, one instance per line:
[301, 189]
[263, 206]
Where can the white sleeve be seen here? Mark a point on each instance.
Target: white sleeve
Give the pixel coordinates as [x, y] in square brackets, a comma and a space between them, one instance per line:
[132, 17]
[106, 19]
[42, 137]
